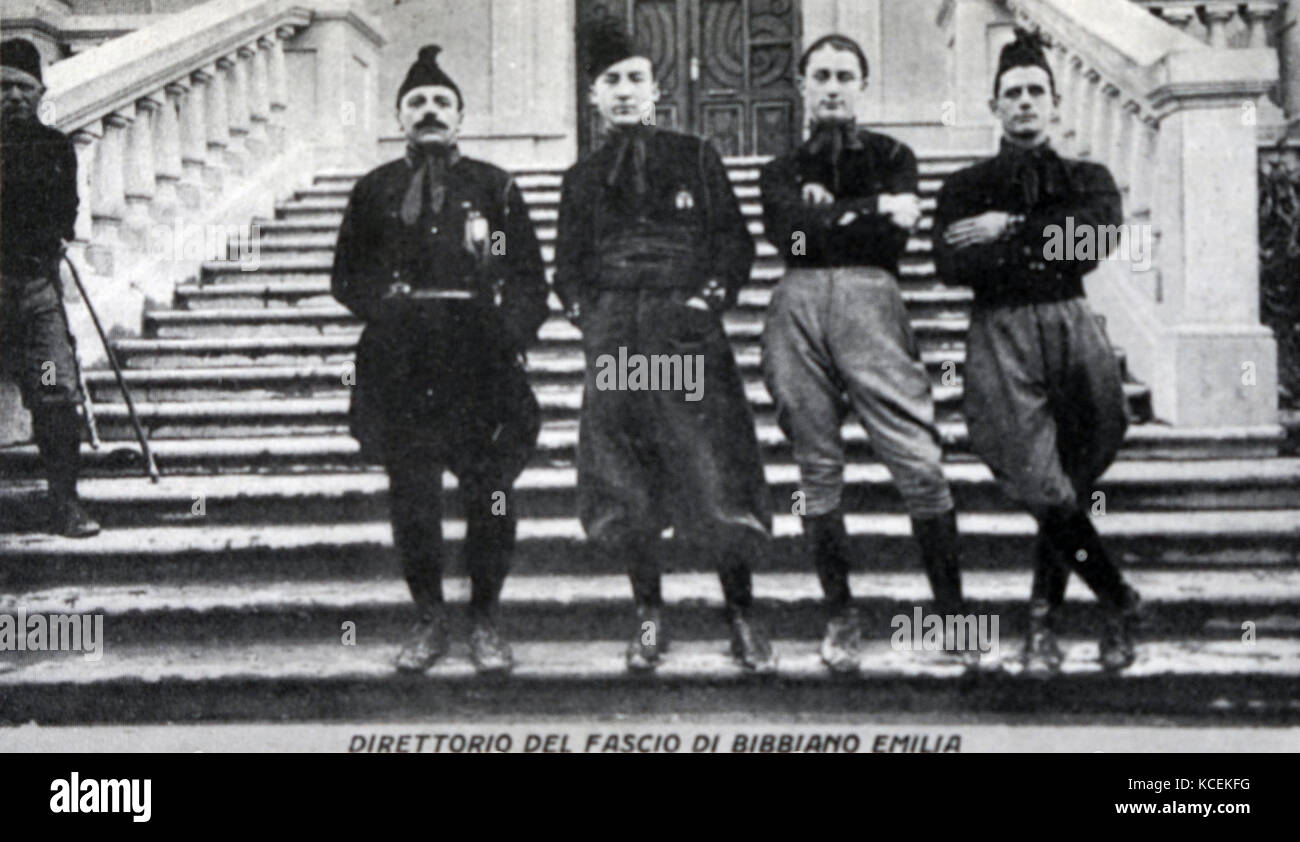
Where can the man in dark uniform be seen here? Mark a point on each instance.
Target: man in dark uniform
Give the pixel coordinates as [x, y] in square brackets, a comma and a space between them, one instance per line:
[651, 248]
[437, 255]
[38, 210]
[1044, 402]
[838, 336]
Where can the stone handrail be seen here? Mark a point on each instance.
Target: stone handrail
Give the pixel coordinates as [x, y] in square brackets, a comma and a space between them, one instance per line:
[191, 124]
[1175, 122]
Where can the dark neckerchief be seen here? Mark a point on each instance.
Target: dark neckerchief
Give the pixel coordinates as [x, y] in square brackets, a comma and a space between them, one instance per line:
[630, 143]
[429, 165]
[1037, 173]
[829, 140]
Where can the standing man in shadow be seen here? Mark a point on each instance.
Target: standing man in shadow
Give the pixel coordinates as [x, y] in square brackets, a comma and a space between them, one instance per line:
[38, 211]
[651, 249]
[438, 256]
[840, 209]
[1044, 401]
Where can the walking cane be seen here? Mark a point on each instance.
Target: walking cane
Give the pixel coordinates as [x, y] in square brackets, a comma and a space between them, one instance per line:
[150, 466]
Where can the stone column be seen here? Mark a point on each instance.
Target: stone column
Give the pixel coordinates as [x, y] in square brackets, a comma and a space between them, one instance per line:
[279, 96]
[234, 69]
[139, 173]
[194, 142]
[258, 102]
[108, 195]
[218, 135]
[167, 153]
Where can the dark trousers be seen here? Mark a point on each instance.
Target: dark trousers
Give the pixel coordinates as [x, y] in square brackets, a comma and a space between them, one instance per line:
[1045, 407]
[415, 502]
[37, 350]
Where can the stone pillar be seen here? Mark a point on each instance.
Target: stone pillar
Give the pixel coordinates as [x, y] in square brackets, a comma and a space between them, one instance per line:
[276, 76]
[1289, 57]
[167, 153]
[1217, 16]
[218, 137]
[235, 67]
[86, 141]
[258, 102]
[108, 196]
[139, 173]
[194, 142]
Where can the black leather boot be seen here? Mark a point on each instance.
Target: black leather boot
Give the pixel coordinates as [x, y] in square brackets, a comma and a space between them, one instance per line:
[428, 641]
[1042, 654]
[57, 431]
[826, 541]
[1118, 646]
[649, 641]
[939, 553]
[749, 644]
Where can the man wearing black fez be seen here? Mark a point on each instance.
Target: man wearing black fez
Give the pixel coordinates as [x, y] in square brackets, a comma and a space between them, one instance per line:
[437, 255]
[38, 210]
[651, 249]
[838, 336]
[1044, 402]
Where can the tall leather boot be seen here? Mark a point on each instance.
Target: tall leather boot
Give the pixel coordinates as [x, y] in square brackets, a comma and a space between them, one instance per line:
[57, 430]
[1042, 654]
[649, 641]
[1074, 537]
[489, 543]
[942, 559]
[749, 644]
[415, 503]
[827, 542]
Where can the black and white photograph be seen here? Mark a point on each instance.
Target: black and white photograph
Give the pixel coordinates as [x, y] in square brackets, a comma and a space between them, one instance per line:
[651, 376]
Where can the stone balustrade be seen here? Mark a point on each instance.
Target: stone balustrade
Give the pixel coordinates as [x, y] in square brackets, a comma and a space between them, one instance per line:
[1174, 119]
[190, 123]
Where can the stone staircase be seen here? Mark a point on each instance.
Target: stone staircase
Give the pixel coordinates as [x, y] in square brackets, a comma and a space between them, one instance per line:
[226, 586]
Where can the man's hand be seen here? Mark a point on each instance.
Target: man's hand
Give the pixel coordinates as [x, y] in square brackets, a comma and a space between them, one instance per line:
[977, 230]
[815, 194]
[903, 209]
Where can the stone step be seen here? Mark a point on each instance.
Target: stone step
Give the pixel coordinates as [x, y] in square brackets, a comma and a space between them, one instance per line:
[338, 453]
[324, 680]
[317, 242]
[542, 190]
[544, 607]
[225, 553]
[559, 397]
[200, 410]
[549, 492]
[312, 291]
[313, 321]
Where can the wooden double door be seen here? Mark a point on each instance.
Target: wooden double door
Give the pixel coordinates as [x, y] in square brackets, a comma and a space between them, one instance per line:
[726, 69]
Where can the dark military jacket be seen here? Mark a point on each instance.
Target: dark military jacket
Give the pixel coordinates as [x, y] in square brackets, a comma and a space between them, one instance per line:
[438, 373]
[1046, 190]
[38, 197]
[881, 165]
[689, 202]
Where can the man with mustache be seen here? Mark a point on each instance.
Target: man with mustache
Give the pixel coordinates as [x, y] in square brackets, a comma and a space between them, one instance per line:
[1044, 401]
[438, 256]
[838, 336]
[651, 248]
[38, 209]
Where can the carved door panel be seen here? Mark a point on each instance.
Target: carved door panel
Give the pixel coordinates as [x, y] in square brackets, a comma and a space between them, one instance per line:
[725, 69]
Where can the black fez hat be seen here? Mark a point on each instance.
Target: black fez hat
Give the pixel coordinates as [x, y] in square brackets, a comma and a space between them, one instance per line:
[1025, 51]
[426, 71]
[21, 54]
[605, 42]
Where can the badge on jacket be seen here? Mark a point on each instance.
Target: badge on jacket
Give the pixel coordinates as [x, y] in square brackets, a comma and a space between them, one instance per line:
[685, 201]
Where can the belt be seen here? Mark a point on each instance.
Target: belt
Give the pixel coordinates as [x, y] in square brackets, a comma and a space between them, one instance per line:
[649, 260]
[454, 294]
